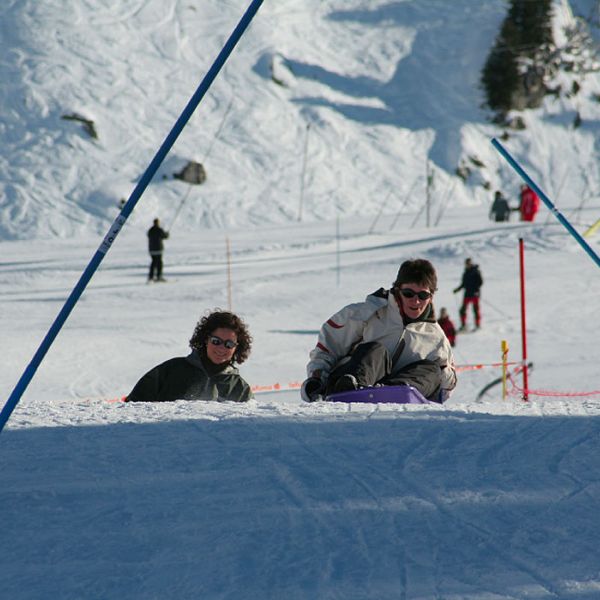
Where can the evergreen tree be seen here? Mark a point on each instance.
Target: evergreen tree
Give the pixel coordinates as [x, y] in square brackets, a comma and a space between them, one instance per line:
[526, 28]
[500, 77]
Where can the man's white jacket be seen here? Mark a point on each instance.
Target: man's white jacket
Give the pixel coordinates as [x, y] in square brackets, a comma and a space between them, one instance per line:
[378, 319]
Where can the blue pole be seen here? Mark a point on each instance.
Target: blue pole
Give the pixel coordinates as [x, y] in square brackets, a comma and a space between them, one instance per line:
[126, 211]
[513, 163]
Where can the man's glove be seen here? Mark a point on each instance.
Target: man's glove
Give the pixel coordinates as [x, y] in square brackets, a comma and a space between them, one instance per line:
[312, 389]
[456, 290]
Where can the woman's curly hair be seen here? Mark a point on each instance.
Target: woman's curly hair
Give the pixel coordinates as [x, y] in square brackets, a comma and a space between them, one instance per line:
[221, 318]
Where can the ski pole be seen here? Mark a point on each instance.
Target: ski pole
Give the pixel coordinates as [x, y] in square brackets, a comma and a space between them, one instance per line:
[513, 163]
[115, 228]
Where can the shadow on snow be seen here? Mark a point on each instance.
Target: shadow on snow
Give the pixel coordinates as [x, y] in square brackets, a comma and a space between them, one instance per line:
[421, 504]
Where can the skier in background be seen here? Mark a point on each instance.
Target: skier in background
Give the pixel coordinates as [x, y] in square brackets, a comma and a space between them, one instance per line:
[500, 210]
[529, 203]
[471, 282]
[392, 338]
[156, 235]
[447, 326]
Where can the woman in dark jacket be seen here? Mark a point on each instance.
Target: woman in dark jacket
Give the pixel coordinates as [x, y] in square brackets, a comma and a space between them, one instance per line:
[208, 373]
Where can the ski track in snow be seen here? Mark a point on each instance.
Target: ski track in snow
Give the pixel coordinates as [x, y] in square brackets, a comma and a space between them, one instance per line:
[276, 497]
[395, 509]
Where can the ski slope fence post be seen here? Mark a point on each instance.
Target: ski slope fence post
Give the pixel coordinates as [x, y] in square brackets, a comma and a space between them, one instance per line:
[504, 346]
[428, 186]
[523, 320]
[562, 219]
[337, 250]
[116, 227]
[229, 294]
[303, 172]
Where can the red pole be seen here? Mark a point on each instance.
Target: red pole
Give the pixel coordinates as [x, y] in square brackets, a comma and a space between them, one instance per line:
[523, 325]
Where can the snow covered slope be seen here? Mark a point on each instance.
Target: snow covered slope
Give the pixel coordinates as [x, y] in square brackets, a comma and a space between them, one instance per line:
[492, 499]
[479, 499]
[371, 90]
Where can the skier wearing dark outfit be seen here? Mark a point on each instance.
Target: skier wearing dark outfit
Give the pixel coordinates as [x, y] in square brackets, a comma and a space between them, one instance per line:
[471, 282]
[156, 235]
[500, 210]
[391, 338]
[208, 373]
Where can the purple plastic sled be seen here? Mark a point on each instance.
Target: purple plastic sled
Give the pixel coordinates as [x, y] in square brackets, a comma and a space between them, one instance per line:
[387, 394]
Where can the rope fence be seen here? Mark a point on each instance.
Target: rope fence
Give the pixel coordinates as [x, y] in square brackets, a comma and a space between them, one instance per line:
[477, 367]
[515, 389]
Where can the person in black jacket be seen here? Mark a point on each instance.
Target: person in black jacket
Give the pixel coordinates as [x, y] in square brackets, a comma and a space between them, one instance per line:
[500, 209]
[156, 235]
[471, 283]
[208, 372]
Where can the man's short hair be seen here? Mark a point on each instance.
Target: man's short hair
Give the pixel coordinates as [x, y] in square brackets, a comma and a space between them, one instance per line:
[419, 271]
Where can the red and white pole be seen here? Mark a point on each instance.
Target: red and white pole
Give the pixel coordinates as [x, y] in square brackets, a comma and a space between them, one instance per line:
[523, 320]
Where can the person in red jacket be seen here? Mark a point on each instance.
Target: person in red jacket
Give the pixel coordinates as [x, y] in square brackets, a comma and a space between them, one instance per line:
[447, 326]
[529, 204]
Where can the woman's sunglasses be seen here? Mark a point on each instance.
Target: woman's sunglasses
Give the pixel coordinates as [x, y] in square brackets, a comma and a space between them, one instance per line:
[217, 341]
[408, 293]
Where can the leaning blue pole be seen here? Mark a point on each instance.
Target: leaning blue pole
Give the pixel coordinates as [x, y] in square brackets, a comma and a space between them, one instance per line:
[513, 163]
[115, 228]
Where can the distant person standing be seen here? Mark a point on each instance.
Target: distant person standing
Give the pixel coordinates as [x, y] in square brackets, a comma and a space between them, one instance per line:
[529, 203]
[500, 210]
[447, 326]
[471, 282]
[156, 235]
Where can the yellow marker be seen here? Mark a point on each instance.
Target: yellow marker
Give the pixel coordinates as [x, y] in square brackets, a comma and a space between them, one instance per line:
[592, 230]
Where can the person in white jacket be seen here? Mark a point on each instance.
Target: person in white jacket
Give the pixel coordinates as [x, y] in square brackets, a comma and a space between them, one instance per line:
[392, 338]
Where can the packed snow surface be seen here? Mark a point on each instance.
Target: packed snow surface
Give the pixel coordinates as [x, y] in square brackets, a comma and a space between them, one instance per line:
[481, 498]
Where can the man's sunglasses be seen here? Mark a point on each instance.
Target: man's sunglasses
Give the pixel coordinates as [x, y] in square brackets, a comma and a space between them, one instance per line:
[408, 293]
[217, 341]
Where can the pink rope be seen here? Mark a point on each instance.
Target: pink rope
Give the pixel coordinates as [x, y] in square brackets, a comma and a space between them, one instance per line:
[516, 390]
[482, 366]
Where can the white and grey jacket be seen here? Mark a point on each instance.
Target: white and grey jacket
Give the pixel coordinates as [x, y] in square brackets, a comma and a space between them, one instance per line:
[378, 319]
